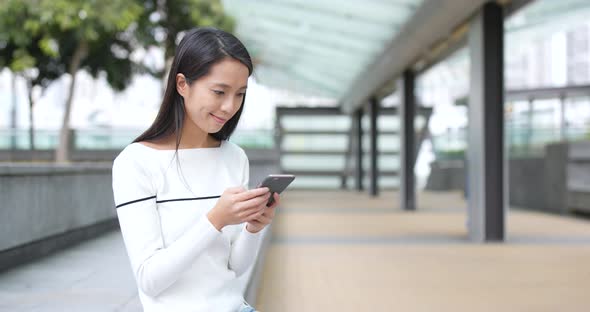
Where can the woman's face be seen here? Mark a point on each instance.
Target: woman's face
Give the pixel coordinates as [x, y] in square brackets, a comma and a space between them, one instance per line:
[213, 99]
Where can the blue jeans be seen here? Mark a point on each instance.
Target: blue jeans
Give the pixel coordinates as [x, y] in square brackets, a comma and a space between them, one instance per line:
[245, 307]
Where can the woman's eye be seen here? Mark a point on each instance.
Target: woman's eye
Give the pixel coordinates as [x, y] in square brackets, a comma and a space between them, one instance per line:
[242, 94]
[218, 92]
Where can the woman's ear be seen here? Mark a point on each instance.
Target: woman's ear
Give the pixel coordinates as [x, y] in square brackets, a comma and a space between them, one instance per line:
[181, 85]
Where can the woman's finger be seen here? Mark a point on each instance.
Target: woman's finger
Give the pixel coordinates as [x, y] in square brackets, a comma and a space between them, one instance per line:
[248, 213]
[253, 209]
[251, 194]
[269, 213]
[277, 201]
[254, 213]
[255, 202]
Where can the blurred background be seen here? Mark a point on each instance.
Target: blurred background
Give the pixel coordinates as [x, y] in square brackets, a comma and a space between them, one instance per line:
[119, 81]
[80, 79]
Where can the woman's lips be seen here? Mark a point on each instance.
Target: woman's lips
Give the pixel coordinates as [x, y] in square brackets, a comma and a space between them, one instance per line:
[218, 120]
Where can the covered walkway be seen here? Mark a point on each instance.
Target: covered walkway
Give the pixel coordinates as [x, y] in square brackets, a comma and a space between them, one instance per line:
[346, 250]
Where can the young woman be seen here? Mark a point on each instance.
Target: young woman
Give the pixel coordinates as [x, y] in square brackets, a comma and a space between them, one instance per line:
[189, 224]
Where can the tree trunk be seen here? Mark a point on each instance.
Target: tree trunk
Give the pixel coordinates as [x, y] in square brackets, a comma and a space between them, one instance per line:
[62, 152]
[31, 122]
[13, 113]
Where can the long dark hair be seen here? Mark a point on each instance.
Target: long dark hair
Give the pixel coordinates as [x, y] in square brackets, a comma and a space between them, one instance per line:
[199, 49]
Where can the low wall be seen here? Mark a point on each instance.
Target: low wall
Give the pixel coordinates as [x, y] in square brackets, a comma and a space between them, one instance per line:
[447, 175]
[558, 182]
[578, 177]
[262, 163]
[49, 155]
[526, 184]
[42, 203]
[555, 190]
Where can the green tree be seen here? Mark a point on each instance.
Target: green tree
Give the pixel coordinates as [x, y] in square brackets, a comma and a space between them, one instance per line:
[54, 37]
[91, 35]
[27, 53]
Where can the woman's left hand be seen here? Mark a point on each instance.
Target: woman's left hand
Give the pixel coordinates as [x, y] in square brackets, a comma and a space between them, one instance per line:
[265, 218]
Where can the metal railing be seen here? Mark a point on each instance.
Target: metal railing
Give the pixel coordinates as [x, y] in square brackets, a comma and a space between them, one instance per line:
[520, 141]
[315, 143]
[524, 136]
[111, 139]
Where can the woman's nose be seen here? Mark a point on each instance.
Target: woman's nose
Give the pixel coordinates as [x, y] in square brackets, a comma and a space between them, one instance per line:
[228, 105]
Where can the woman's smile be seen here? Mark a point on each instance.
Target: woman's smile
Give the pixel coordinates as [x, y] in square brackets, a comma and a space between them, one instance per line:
[218, 119]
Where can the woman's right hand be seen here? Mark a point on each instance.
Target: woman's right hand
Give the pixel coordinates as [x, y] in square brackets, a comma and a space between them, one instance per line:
[237, 205]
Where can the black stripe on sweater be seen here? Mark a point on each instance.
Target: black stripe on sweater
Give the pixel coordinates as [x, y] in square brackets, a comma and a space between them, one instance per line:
[134, 201]
[166, 200]
[182, 199]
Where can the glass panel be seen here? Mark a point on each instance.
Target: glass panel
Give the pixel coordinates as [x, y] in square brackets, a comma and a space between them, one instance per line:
[316, 142]
[315, 123]
[305, 162]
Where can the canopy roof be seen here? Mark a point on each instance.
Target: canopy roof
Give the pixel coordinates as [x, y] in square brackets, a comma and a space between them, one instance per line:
[317, 47]
[350, 50]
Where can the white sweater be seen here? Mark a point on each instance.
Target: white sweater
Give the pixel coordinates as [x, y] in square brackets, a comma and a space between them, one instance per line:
[180, 261]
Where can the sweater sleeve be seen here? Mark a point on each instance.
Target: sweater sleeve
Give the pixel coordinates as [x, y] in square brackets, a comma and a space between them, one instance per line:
[245, 245]
[155, 266]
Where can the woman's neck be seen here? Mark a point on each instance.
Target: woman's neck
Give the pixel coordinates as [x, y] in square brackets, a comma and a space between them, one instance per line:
[195, 137]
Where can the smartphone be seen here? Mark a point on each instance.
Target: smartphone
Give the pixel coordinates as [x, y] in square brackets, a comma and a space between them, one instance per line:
[276, 183]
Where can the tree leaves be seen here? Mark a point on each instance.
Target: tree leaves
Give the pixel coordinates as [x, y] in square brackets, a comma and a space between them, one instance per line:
[45, 33]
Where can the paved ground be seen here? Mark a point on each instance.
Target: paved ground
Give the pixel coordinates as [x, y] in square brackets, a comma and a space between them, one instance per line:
[93, 276]
[347, 252]
[335, 251]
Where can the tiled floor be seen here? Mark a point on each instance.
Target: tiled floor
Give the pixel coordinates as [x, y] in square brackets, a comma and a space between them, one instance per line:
[336, 251]
[93, 276]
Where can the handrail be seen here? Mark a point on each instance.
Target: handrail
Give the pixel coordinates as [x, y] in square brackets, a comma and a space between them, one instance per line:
[349, 133]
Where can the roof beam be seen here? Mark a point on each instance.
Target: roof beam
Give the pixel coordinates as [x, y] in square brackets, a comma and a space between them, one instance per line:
[432, 22]
[436, 29]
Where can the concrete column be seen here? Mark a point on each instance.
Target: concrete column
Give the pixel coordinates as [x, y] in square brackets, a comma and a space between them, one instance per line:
[373, 113]
[358, 125]
[486, 126]
[407, 144]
